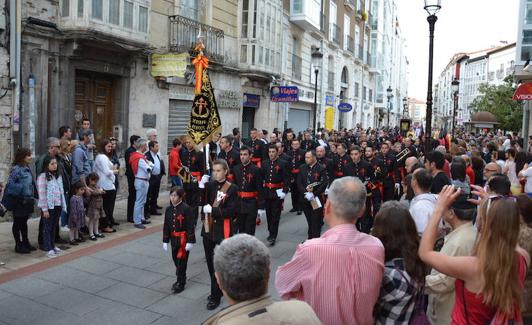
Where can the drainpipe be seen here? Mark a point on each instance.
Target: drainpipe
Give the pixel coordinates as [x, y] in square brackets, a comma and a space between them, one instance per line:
[31, 113]
[14, 60]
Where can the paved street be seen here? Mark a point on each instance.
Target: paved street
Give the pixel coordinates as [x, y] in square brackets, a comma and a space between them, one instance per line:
[127, 284]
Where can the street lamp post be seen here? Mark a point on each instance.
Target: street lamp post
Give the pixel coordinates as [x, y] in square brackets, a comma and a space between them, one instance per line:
[316, 60]
[432, 7]
[389, 95]
[455, 86]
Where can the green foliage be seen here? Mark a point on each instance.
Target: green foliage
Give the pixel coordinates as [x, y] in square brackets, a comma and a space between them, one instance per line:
[509, 112]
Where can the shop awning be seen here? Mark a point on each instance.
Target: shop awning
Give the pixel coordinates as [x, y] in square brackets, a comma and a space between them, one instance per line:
[523, 92]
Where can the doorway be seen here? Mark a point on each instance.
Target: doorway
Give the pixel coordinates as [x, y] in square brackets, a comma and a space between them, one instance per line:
[248, 121]
[94, 100]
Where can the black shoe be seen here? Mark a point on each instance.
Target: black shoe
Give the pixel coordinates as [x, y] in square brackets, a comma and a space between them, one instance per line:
[27, 244]
[93, 238]
[21, 249]
[146, 222]
[100, 235]
[293, 210]
[140, 226]
[178, 287]
[269, 239]
[73, 243]
[272, 242]
[80, 240]
[213, 304]
[299, 213]
[116, 223]
[158, 207]
[156, 213]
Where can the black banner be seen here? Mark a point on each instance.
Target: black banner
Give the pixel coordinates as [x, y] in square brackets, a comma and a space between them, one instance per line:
[204, 117]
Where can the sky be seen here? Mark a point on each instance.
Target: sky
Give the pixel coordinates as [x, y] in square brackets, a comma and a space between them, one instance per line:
[462, 26]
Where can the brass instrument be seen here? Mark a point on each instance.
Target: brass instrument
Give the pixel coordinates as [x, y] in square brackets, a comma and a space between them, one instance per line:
[186, 176]
[312, 185]
[402, 155]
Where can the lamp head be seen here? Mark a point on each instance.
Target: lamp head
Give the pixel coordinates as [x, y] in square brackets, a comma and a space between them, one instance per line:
[432, 6]
[455, 85]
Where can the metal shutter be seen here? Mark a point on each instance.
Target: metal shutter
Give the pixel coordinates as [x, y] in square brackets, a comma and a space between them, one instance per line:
[178, 118]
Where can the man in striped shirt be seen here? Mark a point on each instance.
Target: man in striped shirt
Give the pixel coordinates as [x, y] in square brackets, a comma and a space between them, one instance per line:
[339, 274]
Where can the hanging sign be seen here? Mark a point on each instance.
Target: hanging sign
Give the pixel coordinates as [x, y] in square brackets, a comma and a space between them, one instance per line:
[345, 107]
[284, 94]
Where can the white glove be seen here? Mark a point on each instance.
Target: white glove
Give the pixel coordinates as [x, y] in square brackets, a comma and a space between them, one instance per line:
[281, 194]
[188, 247]
[165, 247]
[309, 196]
[207, 208]
[397, 187]
[261, 213]
[326, 191]
[205, 179]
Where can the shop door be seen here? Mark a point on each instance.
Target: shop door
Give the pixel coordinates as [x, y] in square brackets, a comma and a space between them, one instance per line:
[93, 100]
[298, 120]
[248, 121]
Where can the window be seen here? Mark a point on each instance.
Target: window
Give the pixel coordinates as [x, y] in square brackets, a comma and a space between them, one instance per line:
[128, 14]
[364, 93]
[189, 9]
[65, 8]
[245, 12]
[80, 7]
[253, 54]
[255, 20]
[528, 14]
[370, 95]
[143, 19]
[114, 12]
[356, 89]
[244, 53]
[344, 76]
[97, 10]
[297, 6]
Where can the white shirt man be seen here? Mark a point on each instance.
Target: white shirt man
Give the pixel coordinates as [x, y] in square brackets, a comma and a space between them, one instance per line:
[423, 203]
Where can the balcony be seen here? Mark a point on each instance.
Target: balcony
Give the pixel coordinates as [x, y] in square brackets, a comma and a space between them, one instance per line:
[335, 34]
[349, 44]
[297, 62]
[350, 4]
[306, 14]
[121, 19]
[330, 81]
[184, 33]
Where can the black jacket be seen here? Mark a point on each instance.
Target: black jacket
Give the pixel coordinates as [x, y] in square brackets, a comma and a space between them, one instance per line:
[224, 215]
[178, 218]
[249, 179]
[275, 172]
[308, 175]
[150, 158]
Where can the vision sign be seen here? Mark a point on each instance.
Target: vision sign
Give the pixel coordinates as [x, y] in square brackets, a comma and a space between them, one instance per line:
[523, 92]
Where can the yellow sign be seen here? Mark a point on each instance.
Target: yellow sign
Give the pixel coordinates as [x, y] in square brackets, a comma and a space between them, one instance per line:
[169, 65]
[329, 117]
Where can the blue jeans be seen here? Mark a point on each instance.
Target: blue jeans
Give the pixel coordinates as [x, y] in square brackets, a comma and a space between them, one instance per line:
[176, 181]
[48, 229]
[141, 187]
[64, 218]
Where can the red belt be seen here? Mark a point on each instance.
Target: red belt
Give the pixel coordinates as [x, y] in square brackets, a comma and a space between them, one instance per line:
[248, 195]
[196, 174]
[273, 185]
[339, 174]
[295, 170]
[256, 161]
[230, 177]
[181, 252]
[227, 228]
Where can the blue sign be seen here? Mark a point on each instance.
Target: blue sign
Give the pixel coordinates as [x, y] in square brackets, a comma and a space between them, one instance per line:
[329, 100]
[251, 100]
[284, 94]
[345, 107]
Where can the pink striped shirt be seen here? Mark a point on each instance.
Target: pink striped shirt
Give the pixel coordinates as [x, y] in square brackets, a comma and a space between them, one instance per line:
[338, 274]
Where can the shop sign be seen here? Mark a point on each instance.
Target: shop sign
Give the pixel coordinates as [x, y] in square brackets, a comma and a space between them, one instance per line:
[523, 92]
[169, 65]
[228, 99]
[251, 100]
[345, 107]
[329, 118]
[284, 94]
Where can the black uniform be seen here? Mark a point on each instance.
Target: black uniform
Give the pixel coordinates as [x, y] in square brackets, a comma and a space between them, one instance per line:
[232, 157]
[178, 229]
[276, 175]
[339, 163]
[248, 179]
[307, 145]
[195, 162]
[308, 175]
[257, 148]
[221, 226]
[328, 165]
[296, 158]
[374, 199]
[390, 174]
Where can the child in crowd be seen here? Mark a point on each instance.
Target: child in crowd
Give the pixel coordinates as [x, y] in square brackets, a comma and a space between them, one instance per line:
[77, 213]
[179, 231]
[94, 206]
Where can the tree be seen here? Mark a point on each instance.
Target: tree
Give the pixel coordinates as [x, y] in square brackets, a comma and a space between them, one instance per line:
[498, 101]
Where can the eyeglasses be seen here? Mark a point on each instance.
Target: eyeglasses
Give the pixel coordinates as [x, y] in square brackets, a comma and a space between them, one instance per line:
[490, 170]
[494, 198]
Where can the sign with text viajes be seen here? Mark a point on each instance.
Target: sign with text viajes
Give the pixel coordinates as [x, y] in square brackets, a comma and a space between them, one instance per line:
[284, 94]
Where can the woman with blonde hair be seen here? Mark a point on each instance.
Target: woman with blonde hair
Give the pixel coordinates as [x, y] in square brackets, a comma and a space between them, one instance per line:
[489, 284]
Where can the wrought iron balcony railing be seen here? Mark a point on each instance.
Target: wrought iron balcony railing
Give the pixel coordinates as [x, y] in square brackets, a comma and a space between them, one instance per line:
[184, 37]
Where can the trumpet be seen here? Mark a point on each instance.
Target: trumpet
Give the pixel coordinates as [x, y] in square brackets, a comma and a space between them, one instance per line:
[186, 176]
[402, 155]
[312, 185]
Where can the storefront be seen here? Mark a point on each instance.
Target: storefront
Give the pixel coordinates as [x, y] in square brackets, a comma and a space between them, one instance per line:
[250, 103]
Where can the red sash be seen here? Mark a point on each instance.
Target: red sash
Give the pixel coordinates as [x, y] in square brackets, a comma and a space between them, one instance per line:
[134, 161]
[181, 252]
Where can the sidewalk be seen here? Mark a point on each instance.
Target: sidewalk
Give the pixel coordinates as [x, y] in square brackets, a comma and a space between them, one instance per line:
[126, 281]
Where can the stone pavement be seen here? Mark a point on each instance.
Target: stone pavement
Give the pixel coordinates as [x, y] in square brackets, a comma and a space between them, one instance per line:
[127, 283]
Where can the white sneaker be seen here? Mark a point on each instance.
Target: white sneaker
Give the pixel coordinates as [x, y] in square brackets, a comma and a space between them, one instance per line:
[65, 229]
[57, 250]
[51, 254]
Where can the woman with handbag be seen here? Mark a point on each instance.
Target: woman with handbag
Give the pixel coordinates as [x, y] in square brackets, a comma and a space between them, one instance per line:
[489, 284]
[19, 197]
[401, 296]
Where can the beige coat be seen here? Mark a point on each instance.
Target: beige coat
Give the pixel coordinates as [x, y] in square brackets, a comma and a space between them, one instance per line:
[265, 311]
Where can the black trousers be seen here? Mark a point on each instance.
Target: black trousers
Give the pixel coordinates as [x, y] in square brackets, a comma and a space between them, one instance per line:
[132, 196]
[20, 229]
[208, 246]
[41, 231]
[247, 216]
[296, 197]
[314, 219]
[373, 204]
[180, 265]
[109, 199]
[153, 194]
[388, 192]
[273, 215]
[192, 198]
